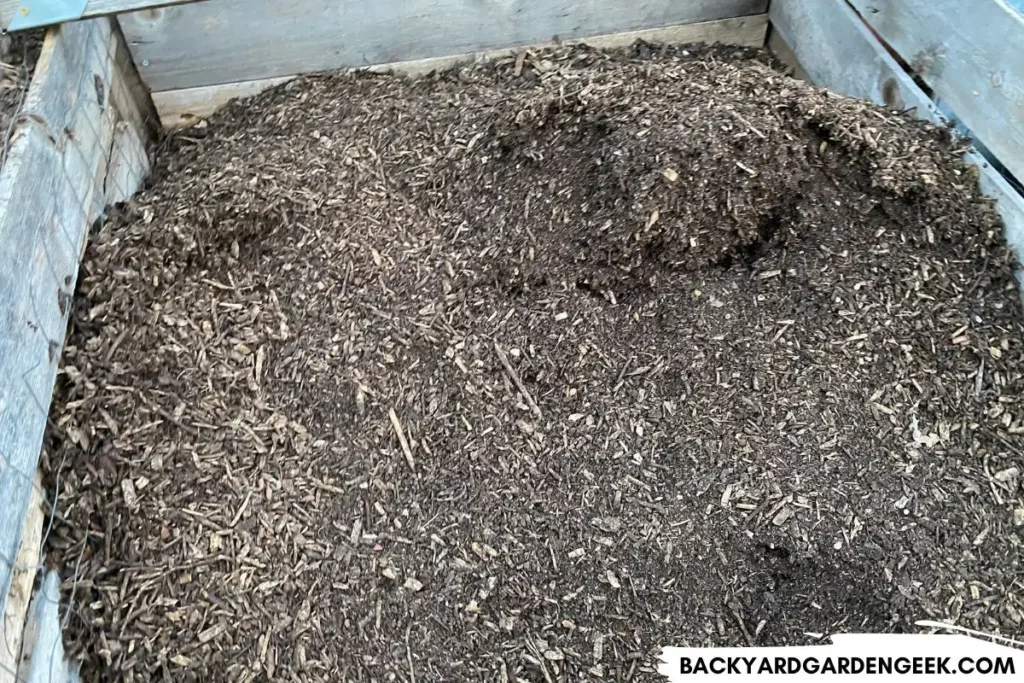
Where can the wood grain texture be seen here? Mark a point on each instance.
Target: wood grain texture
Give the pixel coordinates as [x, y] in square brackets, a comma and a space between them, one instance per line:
[971, 54]
[777, 46]
[839, 52]
[28, 564]
[185, 107]
[137, 125]
[129, 93]
[129, 164]
[229, 41]
[94, 8]
[50, 193]
[43, 659]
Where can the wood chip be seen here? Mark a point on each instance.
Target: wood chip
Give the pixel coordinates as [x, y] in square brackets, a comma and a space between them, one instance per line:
[401, 438]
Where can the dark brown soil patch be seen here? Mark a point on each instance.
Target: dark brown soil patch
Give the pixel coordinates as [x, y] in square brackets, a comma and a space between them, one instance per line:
[682, 351]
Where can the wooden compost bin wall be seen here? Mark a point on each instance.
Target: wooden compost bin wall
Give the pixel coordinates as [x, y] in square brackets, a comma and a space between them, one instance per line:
[81, 144]
[970, 54]
[196, 57]
[78, 144]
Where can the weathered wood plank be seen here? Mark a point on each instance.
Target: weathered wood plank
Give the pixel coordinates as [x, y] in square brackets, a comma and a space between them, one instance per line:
[43, 659]
[129, 164]
[1009, 203]
[137, 124]
[185, 107]
[229, 41]
[179, 108]
[971, 54]
[838, 51]
[130, 94]
[94, 8]
[784, 52]
[48, 199]
[28, 564]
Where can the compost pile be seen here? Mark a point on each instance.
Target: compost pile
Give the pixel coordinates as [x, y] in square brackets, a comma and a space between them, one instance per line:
[524, 370]
[18, 55]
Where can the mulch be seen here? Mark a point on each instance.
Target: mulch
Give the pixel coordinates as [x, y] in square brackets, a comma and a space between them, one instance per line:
[18, 55]
[521, 371]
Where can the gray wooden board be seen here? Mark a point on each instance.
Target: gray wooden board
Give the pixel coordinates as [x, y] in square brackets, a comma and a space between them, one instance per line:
[93, 8]
[43, 658]
[777, 45]
[838, 51]
[136, 125]
[971, 54]
[29, 562]
[227, 41]
[129, 164]
[185, 107]
[48, 199]
[130, 95]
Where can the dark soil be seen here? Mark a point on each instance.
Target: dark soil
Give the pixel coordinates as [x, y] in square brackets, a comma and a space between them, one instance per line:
[523, 371]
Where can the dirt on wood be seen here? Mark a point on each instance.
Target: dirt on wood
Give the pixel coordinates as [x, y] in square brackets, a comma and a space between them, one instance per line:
[522, 371]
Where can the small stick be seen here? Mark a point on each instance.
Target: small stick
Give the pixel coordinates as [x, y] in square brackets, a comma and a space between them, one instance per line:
[173, 420]
[408, 654]
[401, 438]
[622, 373]
[520, 59]
[743, 627]
[120, 338]
[782, 330]
[515, 380]
[1009, 446]
[755, 131]
[539, 656]
[988, 475]
[241, 510]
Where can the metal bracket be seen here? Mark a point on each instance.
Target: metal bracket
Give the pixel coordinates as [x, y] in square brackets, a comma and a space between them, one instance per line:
[36, 13]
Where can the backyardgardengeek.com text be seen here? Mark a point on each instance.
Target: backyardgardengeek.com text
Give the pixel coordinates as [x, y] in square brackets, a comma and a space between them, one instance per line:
[757, 665]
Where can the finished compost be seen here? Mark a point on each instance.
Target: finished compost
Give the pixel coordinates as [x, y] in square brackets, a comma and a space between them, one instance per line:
[524, 370]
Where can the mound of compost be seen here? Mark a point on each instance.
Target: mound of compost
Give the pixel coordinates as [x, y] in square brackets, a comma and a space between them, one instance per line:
[521, 371]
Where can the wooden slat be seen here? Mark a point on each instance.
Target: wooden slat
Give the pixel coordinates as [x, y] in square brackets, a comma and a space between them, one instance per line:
[184, 107]
[94, 8]
[129, 164]
[130, 94]
[229, 41]
[49, 196]
[971, 54]
[838, 51]
[43, 658]
[29, 562]
[778, 46]
[137, 125]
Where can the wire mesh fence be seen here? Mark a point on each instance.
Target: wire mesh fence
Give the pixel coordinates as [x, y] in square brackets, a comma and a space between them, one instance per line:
[67, 152]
